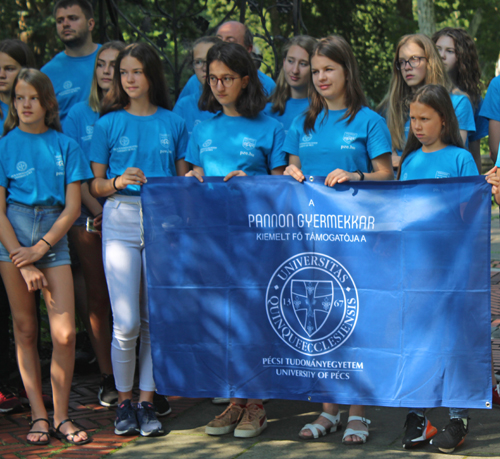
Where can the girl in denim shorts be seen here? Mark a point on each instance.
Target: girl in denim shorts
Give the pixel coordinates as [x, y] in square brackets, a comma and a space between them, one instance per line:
[40, 174]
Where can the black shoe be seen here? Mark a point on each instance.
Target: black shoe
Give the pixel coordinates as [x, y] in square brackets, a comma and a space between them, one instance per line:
[451, 436]
[108, 395]
[162, 407]
[418, 429]
[126, 419]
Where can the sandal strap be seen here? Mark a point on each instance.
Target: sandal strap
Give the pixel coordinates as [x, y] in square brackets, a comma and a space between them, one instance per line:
[39, 419]
[64, 422]
[74, 434]
[333, 419]
[365, 421]
[315, 429]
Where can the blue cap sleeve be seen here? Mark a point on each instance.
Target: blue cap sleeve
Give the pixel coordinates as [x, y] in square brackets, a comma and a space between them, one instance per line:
[99, 149]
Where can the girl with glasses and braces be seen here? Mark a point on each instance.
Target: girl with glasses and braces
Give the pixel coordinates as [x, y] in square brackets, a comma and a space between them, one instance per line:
[237, 141]
[416, 63]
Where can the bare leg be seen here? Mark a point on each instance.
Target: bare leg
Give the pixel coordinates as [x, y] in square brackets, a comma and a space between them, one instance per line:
[96, 314]
[356, 410]
[59, 299]
[330, 408]
[25, 333]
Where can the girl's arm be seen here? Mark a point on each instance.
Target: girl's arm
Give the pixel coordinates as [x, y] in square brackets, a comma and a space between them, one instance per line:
[89, 201]
[23, 256]
[33, 277]
[293, 168]
[464, 135]
[182, 167]
[382, 170]
[196, 172]
[278, 170]
[102, 187]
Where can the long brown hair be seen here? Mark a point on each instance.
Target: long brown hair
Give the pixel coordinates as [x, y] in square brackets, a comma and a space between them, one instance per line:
[467, 71]
[397, 100]
[252, 99]
[96, 93]
[438, 98]
[46, 95]
[20, 52]
[338, 50]
[282, 90]
[117, 98]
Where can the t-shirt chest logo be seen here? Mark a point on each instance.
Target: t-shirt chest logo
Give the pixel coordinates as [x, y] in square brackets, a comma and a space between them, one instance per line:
[164, 140]
[89, 130]
[207, 146]
[60, 165]
[67, 85]
[21, 166]
[124, 141]
[248, 143]
[350, 137]
[307, 138]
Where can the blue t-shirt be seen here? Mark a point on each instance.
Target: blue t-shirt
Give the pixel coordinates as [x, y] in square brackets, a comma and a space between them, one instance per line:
[293, 108]
[5, 112]
[71, 78]
[79, 125]
[224, 144]
[187, 109]
[38, 167]
[482, 124]
[463, 112]
[152, 143]
[335, 144]
[491, 104]
[193, 86]
[448, 162]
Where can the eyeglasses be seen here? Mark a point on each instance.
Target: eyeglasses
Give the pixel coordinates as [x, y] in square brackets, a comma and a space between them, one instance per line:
[226, 81]
[199, 63]
[414, 62]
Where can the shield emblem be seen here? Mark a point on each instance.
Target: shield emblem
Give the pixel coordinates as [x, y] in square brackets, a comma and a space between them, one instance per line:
[350, 137]
[249, 143]
[312, 303]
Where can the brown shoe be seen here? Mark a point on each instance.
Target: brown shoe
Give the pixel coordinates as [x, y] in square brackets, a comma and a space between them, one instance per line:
[254, 421]
[225, 422]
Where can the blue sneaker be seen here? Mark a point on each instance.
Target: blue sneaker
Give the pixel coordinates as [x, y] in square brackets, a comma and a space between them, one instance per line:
[149, 424]
[126, 419]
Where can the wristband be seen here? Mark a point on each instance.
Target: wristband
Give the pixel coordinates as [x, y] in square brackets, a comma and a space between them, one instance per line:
[361, 175]
[48, 243]
[97, 215]
[114, 182]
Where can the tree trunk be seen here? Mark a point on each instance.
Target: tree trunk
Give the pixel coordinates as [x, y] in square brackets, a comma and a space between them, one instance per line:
[426, 17]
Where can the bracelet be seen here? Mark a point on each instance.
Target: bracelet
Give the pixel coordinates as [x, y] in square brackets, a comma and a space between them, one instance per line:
[114, 182]
[361, 175]
[99, 214]
[48, 243]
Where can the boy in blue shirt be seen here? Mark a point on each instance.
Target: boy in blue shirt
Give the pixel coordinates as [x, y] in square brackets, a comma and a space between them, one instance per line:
[71, 70]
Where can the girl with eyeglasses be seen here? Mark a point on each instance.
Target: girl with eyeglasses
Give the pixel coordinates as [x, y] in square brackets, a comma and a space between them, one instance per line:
[187, 107]
[290, 97]
[340, 137]
[459, 54]
[136, 137]
[238, 141]
[417, 63]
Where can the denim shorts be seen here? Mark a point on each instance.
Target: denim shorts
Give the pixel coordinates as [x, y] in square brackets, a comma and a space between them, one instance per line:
[30, 225]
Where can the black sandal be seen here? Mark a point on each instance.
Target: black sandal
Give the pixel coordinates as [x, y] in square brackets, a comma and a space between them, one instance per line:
[61, 436]
[39, 442]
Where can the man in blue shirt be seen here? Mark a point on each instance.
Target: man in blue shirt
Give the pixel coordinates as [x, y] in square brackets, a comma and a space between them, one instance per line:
[232, 32]
[71, 70]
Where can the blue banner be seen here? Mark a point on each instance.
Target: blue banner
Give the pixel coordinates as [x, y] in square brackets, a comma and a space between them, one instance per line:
[370, 293]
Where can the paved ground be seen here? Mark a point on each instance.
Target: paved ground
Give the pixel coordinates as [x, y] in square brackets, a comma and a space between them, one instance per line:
[185, 426]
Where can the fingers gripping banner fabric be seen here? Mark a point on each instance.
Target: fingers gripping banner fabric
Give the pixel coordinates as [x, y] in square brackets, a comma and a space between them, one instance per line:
[373, 293]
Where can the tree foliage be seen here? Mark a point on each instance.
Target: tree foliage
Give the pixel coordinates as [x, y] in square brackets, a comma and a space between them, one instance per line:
[373, 27]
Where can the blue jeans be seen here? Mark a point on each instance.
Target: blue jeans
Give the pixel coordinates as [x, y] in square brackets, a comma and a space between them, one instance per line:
[454, 412]
[30, 225]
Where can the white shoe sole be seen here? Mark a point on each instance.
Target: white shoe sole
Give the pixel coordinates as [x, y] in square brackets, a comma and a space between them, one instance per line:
[250, 433]
[220, 430]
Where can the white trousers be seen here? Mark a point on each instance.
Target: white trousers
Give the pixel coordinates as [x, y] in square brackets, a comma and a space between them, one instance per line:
[125, 267]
